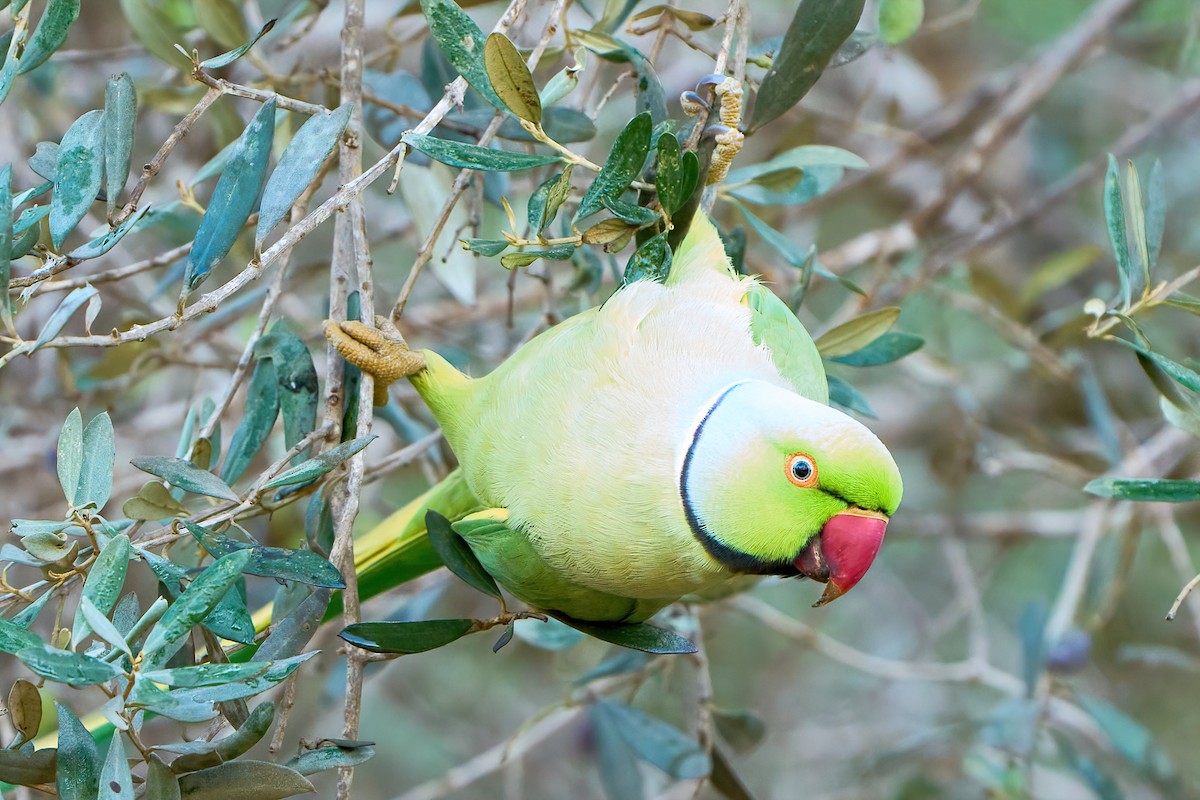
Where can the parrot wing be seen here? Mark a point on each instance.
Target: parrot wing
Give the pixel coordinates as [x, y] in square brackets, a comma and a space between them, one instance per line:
[398, 550]
[775, 327]
[507, 554]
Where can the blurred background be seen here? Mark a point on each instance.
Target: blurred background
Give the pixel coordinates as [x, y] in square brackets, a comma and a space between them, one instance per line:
[1010, 640]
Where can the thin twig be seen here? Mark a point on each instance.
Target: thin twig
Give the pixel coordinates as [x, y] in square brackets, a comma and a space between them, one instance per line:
[160, 158]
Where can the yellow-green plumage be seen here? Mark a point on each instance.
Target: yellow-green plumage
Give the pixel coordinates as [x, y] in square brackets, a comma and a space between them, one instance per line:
[572, 450]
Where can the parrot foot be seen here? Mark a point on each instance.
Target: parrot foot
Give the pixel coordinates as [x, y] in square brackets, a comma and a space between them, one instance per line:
[380, 351]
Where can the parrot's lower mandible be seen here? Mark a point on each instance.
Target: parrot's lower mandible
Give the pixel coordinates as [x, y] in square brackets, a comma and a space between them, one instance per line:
[657, 446]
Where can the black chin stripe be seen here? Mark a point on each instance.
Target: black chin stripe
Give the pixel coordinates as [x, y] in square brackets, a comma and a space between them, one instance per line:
[733, 559]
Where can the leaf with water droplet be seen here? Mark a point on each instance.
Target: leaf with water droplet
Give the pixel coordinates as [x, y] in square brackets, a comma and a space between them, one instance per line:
[78, 762]
[103, 584]
[64, 666]
[186, 475]
[200, 598]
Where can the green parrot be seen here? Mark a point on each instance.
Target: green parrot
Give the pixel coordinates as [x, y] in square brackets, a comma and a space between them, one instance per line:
[667, 443]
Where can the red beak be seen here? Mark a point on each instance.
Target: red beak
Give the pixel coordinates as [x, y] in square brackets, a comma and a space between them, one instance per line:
[843, 551]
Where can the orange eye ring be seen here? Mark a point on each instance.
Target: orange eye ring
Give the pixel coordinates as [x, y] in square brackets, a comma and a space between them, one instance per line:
[802, 470]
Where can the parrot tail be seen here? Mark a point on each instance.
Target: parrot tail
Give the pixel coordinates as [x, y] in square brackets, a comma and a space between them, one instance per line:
[398, 550]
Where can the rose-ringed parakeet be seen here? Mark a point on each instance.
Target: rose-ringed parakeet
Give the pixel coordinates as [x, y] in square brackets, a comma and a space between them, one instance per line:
[659, 445]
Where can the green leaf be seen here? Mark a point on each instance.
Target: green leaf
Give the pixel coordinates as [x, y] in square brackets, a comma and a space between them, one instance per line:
[148, 697]
[275, 673]
[50, 34]
[624, 163]
[206, 674]
[234, 196]
[311, 762]
[857, 333]
[457, 555]
[887, 348]
[462, 43]
[743, 730]
[120, 122]
[616, 761]
[548, 198]
[47, 546]
[27, 767]
[846, 396]
[103, 627]
[801, 259]
[322, 464]
[900, 19]
[70, 455]
[78, 769]
[79, 176]
[1156, 211]
[406, 638]
[1162, 491]
[298, 167]
[99, 456]
[6, 245]
[485, 247]
[261, 409]
[1129, 738]
[108, 239]
[523, 258]
[630, 212]
[636, 636]
[1137, 216]
[161, 783]
[227, 58]
[185, 475]
[58, 320]
[273, 562]
[651, 262]
[669, 180]
[1181, 374]
[472, 156]
[12, 61]
[64, 666]
[200, 754]
[115, 781]
[694, 20]
[221, 20]
[103, 583]
[44, 160]
[153, 502]
[510, 78]
[25, 709]
[299, 388]
[725, 780]
[548, 635]
[1114, 215]
[655, 741]
[200, 598]
[26, 617]
[245, 780]
[816, 32]
[292, 633]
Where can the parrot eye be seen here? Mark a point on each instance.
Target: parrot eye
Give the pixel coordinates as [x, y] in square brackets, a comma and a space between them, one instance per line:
[802, 470]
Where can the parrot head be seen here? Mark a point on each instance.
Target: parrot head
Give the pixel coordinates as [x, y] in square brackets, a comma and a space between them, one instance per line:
[774, 483]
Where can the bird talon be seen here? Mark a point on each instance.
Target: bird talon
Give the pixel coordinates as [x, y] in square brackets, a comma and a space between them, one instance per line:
[716, 79]
[381, 351]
